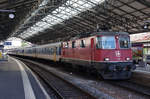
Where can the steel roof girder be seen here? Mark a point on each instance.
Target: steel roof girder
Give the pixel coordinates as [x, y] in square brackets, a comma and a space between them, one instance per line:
[126, 13]
[146, 3]
[134, 8]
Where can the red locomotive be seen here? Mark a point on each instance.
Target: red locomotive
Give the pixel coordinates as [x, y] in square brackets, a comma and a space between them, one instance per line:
[109, 53]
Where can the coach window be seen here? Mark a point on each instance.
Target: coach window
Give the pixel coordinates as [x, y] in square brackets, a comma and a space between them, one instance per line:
[67, 45]
[50, 50]
[46, 51]
[59, 50]
[73, 44]
[42, 50]
[82, 43]
[39, 50]
[34, 50]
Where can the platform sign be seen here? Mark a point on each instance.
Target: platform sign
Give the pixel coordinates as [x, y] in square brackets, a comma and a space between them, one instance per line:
[3, 55]
[7, 43]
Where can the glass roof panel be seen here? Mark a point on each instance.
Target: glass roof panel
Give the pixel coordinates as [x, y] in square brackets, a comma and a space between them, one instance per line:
[66, 11]
[97, 1]
[44, 3]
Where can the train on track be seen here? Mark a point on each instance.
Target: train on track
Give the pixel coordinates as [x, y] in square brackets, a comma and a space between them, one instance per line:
[109, 53]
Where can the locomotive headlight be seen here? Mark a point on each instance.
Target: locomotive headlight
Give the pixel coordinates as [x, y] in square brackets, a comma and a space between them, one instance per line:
[127, 58]
[106, 59]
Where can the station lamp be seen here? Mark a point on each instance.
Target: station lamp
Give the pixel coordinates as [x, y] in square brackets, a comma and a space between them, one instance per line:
[11, 16]
[146, 24]
[10, 13]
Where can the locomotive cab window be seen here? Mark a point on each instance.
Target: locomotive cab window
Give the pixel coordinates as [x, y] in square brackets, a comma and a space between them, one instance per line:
[82, 43]
[106, 42]
[98, 43]
[124, 42]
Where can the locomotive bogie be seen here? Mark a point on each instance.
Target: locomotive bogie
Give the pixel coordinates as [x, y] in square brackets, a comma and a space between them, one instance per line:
[119, 70]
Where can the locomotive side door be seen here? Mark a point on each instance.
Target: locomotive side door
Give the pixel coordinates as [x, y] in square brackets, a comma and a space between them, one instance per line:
[92, 49]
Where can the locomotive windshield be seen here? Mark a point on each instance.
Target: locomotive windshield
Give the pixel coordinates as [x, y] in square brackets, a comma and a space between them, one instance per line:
[106, 42]
[124, 42]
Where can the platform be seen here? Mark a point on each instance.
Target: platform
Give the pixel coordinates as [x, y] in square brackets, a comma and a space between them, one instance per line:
[143, 68]
[18, 82]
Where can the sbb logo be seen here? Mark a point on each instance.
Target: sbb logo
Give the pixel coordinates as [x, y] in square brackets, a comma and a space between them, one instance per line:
[118, 54]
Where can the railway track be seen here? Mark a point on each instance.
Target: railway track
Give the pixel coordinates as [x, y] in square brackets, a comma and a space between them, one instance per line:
[61, 88]
[129, 85]
[132, 86]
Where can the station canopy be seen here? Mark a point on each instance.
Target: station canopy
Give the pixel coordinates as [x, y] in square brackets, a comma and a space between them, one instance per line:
[57, 20]
[12, 12]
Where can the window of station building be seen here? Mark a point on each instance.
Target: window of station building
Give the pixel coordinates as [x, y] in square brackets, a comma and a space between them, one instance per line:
[82, 43]
[73, 44]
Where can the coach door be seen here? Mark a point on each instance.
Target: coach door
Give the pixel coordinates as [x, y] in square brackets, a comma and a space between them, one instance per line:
[92, 50]
[0, 54]
[54, 55]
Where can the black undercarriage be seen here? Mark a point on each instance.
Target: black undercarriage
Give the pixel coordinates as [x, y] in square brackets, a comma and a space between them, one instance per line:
[115, 70]
[108, 70]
